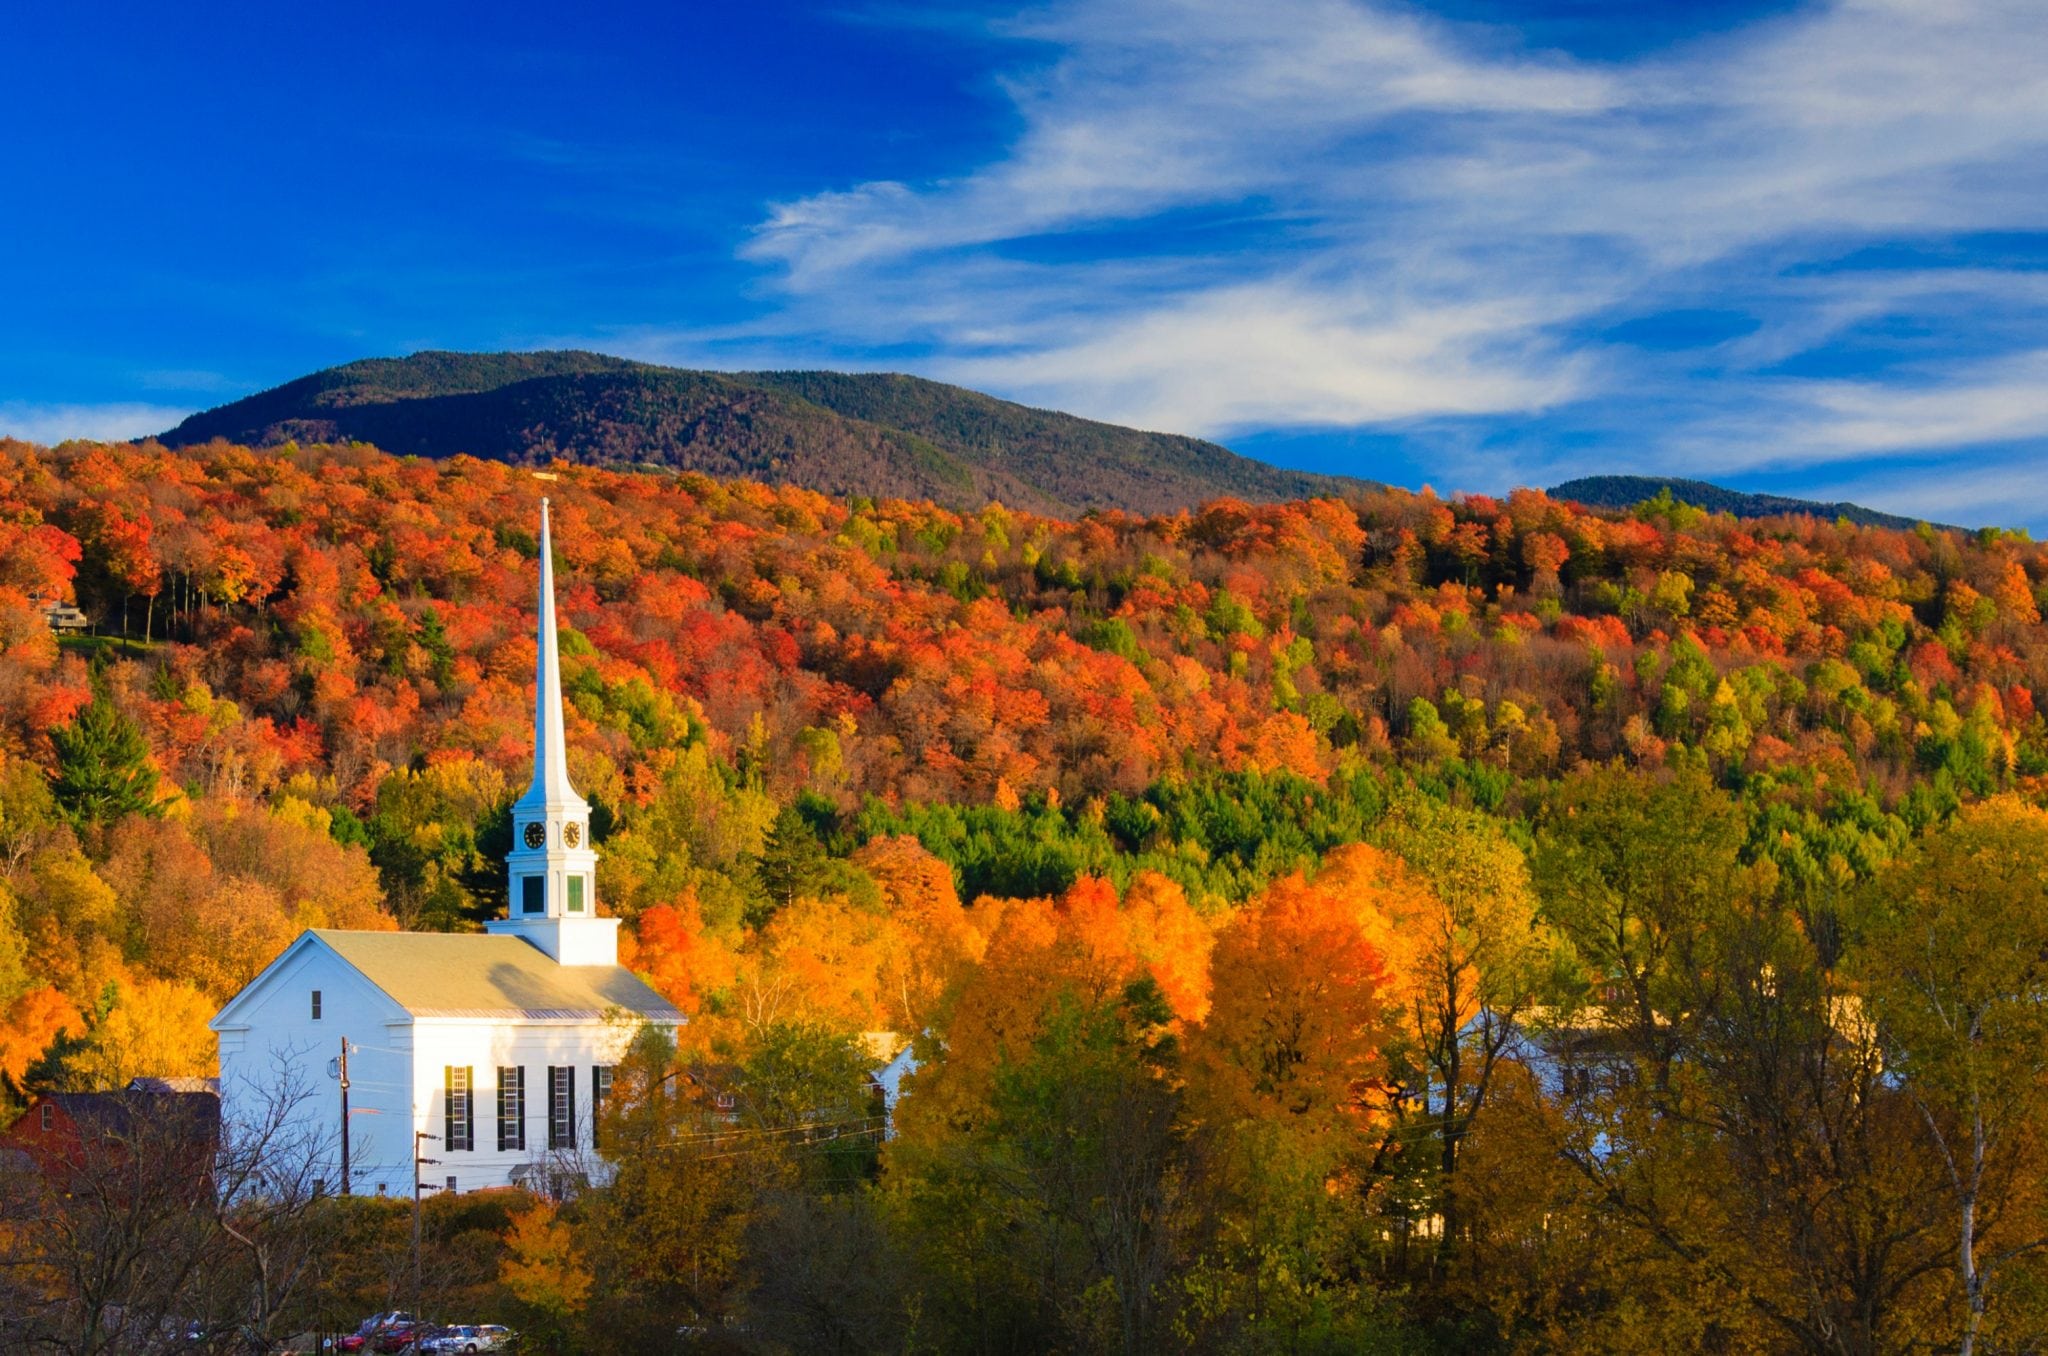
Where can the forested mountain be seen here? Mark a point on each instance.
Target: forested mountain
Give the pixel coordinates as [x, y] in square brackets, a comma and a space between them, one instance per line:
[1627, 491]
[1386, 923]
[875, 434]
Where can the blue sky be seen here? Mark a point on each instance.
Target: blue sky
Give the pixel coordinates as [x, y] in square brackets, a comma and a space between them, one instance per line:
[1800, 247]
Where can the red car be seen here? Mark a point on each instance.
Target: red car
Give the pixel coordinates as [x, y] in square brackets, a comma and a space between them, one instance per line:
[379, 1333]
[397, 1337]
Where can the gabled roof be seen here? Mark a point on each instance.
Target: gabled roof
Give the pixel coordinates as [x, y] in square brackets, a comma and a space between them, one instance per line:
[468, 974]
[116, 1113]
[144, 1083]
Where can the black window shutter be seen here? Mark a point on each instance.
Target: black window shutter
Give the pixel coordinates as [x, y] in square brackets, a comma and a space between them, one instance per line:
[511, 1107]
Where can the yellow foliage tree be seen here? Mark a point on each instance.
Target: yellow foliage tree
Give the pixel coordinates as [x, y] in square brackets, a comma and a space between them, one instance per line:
[31, 1023]
[822, 960]
[157, 1028]
[1954, 976]
[1468, 959]
[935, 940]
[543, 1267]
[1172, 940]
[1297, 1025]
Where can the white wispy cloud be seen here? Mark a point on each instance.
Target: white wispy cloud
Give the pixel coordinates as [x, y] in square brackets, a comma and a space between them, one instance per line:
[51, 424]
[1996, 488]
[1294, 356]
[1372, 216]
[1998, 402]
[1163, 105]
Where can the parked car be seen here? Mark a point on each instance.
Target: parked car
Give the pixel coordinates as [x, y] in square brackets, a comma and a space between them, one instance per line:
[372, 1330]
[466, 1339]
[396, 1337]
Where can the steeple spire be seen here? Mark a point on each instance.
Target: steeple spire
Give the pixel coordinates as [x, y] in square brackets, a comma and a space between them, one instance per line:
[551, 786]
[552, 871]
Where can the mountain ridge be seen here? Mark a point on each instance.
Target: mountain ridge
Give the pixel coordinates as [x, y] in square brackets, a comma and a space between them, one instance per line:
[875, 434]
[878, 434]
[1626, 491]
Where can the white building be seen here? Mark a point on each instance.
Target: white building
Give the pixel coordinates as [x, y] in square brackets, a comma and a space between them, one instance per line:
[500, 1044]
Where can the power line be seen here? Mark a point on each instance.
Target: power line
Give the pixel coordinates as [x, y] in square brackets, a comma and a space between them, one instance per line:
[685, 1141]
[819, 1145]
[824, 1131]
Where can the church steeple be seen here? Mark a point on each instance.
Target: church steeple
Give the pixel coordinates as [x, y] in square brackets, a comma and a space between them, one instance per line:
[550, 788]
[551, 870]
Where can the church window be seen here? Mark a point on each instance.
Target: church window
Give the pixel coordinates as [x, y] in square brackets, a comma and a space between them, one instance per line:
[316, 1005]
[459, 1131]
[600, 1089]
[561, 1106]
[575, 894]
[49, 1116]
[511, 1107]
[451, 1183]
[533, 894]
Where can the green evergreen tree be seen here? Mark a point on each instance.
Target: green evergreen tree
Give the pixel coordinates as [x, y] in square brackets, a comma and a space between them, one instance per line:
[103, 769]
[433, 638]
[793, 862]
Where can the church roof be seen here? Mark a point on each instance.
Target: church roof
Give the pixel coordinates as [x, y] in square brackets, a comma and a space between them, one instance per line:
[467, 974]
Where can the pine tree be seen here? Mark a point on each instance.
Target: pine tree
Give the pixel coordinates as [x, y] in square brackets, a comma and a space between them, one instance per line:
[793, 862]
[103, 769]
[433, 638]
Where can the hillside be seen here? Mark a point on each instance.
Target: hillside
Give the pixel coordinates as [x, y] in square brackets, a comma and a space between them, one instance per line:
[878, 434]
[1100, 805]
[347, 614]
[1627, 491]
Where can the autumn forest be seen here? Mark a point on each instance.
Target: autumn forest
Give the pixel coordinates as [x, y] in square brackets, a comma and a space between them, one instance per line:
[1394, 923]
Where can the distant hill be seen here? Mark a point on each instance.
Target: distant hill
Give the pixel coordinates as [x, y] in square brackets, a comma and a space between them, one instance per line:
[878, 434]
[1628, 491]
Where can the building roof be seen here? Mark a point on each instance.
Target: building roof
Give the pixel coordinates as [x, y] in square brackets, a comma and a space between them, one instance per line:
[144, 1083]
[468, 974]
[116, 1113]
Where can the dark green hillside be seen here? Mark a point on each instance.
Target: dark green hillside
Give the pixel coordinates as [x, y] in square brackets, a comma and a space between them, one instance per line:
[1082, 462]
[874, 434]
[1627, 491]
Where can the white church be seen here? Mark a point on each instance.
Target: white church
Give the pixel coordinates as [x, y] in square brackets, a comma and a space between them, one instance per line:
[499, 1045]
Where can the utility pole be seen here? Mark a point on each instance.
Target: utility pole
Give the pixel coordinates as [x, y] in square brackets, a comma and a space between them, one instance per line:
[417, 1163]
[345, 1180]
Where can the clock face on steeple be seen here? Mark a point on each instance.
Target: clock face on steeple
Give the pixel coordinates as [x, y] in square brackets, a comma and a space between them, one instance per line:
[536, 835]
[572, 834]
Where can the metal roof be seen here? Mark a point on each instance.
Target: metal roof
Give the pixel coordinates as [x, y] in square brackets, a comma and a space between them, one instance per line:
[469, 974]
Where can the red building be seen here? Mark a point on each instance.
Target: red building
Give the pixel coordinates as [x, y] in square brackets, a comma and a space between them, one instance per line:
[70, 1133]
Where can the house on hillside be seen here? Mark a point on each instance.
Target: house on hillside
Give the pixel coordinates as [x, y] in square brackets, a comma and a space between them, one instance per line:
[489, 1054]
[1593, 1050]
[62, 617]
[894, 1061]
[66, 1134]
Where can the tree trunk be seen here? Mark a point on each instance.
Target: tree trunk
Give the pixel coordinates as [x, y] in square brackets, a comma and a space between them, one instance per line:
[1447, 1210]
[1973, 1279]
